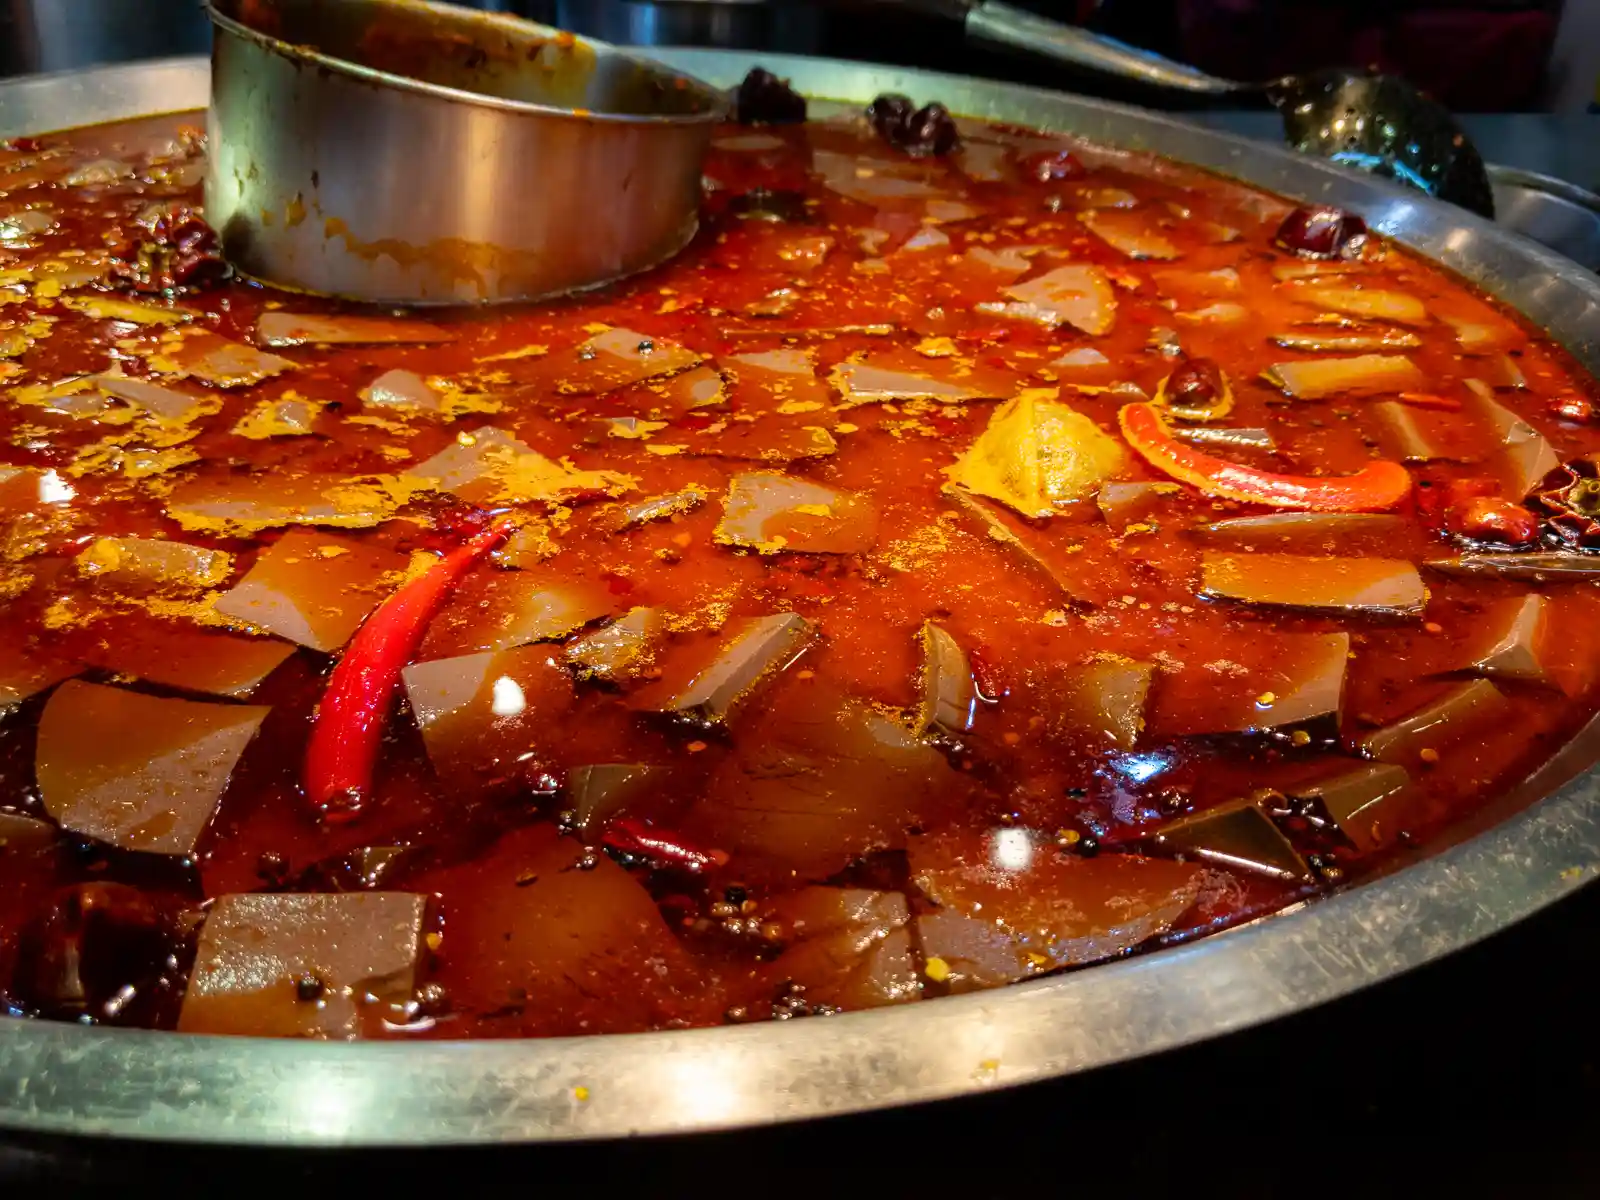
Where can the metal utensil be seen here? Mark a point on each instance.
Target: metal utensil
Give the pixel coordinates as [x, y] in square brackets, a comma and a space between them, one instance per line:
[1375, 123]
[416, 153]
[1538, 842]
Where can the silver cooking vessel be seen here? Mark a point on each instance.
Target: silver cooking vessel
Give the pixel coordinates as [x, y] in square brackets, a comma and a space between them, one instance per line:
[1538, 843]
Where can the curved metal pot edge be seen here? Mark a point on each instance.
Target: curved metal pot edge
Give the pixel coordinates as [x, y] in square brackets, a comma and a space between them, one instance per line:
[134, 1084]
[305, 55]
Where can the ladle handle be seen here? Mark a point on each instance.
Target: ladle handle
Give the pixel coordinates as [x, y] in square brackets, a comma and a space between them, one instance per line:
[1001, 24]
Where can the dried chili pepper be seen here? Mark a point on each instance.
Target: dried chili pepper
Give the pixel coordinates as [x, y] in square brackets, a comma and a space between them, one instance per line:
[1569, 500]
[349, 722]
[661, 849]
[1376, 487]
[180, 253]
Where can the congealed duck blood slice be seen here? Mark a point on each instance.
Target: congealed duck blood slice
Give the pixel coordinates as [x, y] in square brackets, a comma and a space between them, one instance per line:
[1284, 679]
[613, 359]
[217, 361]
[1104, 700]
[1510, 642]
[1075, 295]
[182, 656]
[1057, 910]
[497, 610]
[313, 589]
[26, 672]
[1427, 731]
[23, 835]
[598, 792]
[1132, 233]
[137, 566]
[707, 684]
[277, 329]
[1528, 457]
[816, 780]
[768, 511]
[1381, 586]
[866, 383]
[319, 966]
[1373, 304]
[402, 392]
[481, 715]
[1238, 835]
[228, 506]
[1371, 804]
[848, 947]
[488, 466]
[559, 940]
[136, 771]
[1360, 375]
[1414, 435]
[624, 649]
[1304, 530]
[949, 693]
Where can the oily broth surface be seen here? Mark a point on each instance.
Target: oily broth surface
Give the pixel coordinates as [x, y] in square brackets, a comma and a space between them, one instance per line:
[530, 931]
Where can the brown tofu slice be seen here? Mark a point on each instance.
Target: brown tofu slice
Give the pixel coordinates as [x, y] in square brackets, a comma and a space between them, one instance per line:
[1510, 642]
[24, 673]
[135, 771]
[277, 329]
[24, 835]
[1416, 435]
[949, 692]
[317, 966]
[1382, 586]
[1302, 530]
[1371, 803]
[1104, 699]
[1058, 910]
[706, 688]
[769, 511]
[313, 589]
[137, 566]
[214, 359]
[621, 650]
[849, 947]
[498, 610]
[482, 714]
[1240, 836]
[1528, 457]
[1291, 679]
[1453, 715]
[201, 660]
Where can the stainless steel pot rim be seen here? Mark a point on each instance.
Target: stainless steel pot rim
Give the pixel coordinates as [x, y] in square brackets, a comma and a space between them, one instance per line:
[73, 1080]
[713, 112]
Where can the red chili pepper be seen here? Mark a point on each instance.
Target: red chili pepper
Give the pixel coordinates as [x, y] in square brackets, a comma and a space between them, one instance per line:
[627, 835]
[1376, 487]
[1429, 400]
[360, 692]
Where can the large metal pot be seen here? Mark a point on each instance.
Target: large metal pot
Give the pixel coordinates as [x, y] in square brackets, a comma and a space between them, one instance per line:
[1538, 843]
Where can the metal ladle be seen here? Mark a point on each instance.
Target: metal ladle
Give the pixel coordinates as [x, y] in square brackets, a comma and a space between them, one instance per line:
[1375, 123]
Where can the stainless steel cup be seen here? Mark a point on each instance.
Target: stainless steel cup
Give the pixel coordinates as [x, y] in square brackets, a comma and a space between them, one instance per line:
[414, 153]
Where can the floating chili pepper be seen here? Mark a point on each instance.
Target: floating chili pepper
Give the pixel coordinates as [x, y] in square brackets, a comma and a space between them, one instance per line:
[659, 848]
[349, 722]
[1429, 400]
[1491, 520]
[1376, 487]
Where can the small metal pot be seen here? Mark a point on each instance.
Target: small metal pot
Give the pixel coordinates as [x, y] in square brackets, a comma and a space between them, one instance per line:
[413, 153]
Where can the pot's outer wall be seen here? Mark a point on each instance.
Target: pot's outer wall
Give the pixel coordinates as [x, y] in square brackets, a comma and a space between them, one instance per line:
[143, 1085]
